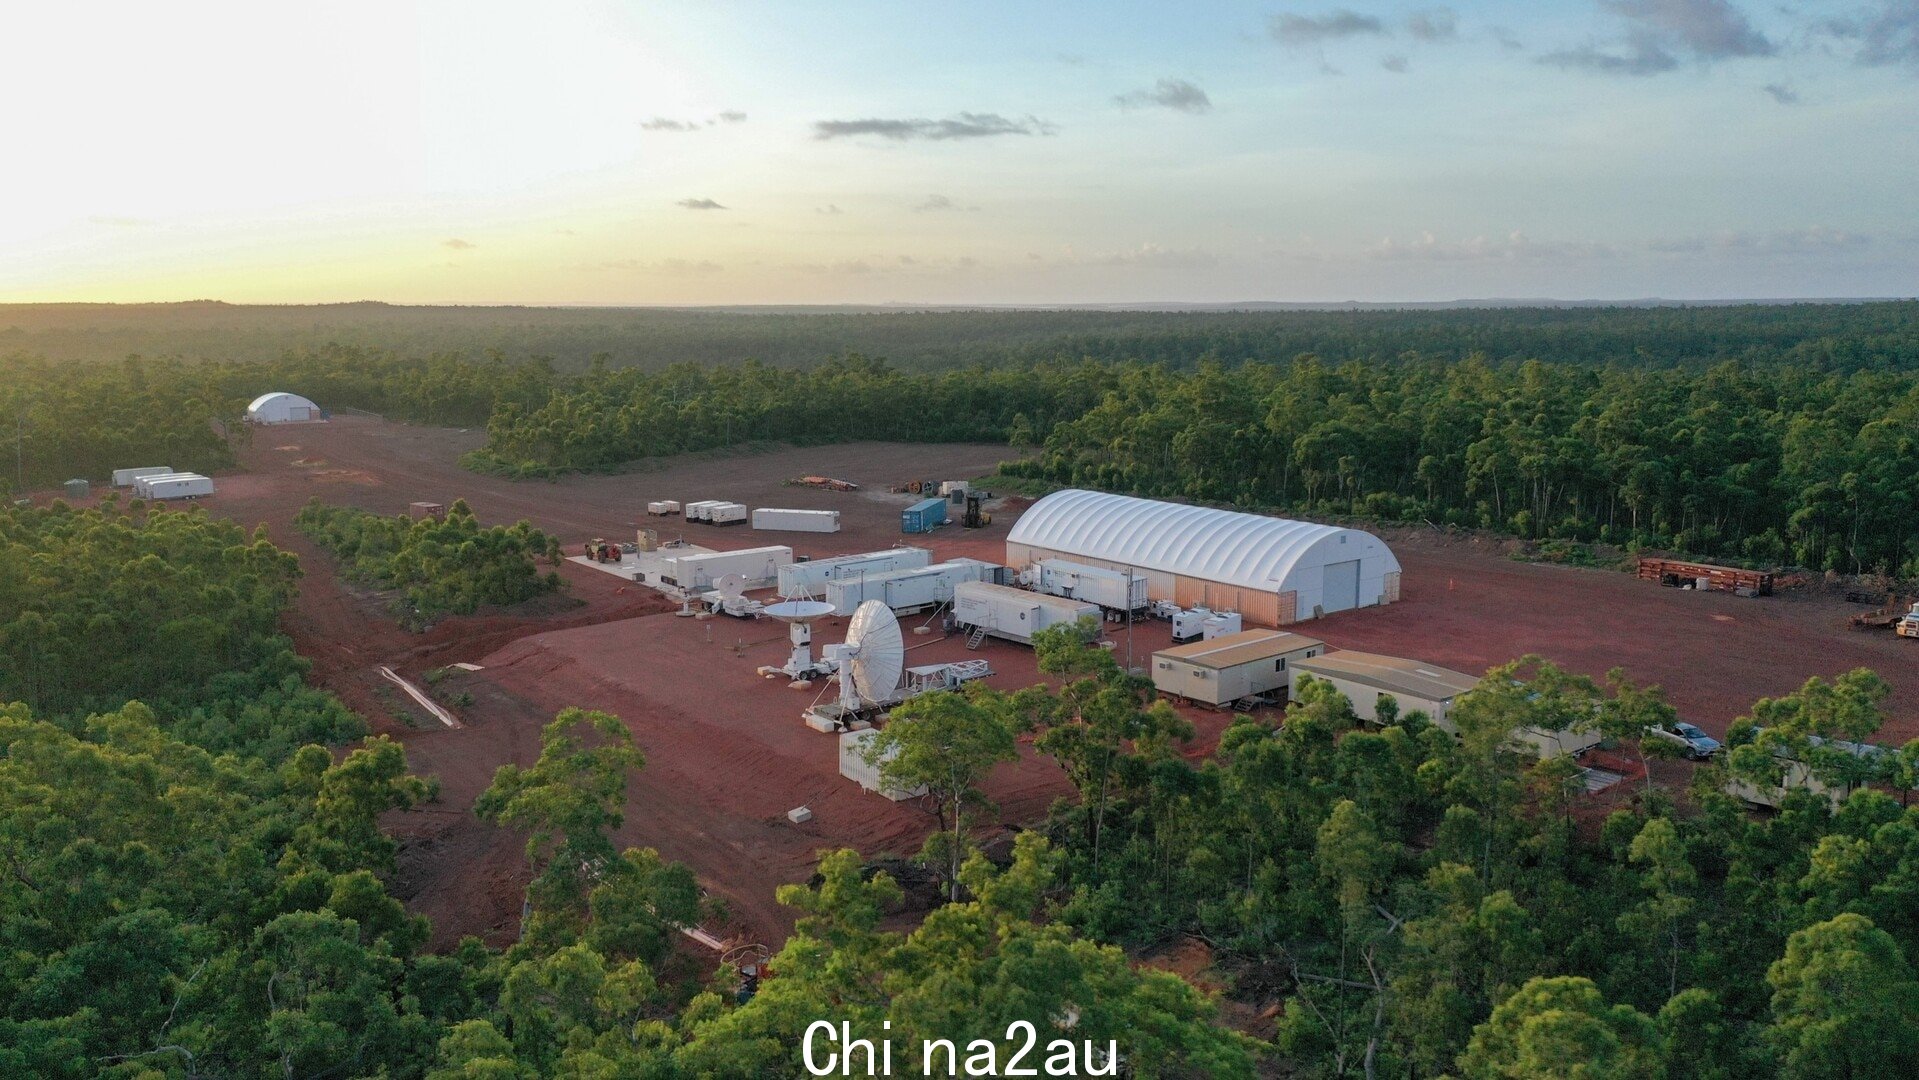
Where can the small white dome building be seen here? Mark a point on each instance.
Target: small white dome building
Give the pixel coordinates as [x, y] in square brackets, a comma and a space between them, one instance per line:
[283, 408]
[1270, 570]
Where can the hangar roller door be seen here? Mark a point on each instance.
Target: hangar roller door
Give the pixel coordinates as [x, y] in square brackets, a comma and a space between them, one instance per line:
[1342, 586]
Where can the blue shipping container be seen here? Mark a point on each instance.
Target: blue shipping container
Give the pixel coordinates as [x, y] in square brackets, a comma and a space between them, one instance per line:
[923, 516]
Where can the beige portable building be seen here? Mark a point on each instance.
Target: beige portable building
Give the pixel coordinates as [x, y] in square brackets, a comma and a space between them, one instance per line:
[1225, 669]
[1365, 677]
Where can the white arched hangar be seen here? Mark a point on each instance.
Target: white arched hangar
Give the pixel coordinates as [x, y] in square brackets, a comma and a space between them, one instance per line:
[283, 408]
[1270, 570]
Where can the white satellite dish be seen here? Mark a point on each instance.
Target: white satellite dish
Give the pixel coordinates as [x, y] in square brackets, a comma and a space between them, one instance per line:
[878, 656]
[799, 616]
[731, 586]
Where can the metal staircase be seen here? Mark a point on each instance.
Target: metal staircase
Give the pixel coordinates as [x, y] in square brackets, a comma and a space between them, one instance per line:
[974, 639]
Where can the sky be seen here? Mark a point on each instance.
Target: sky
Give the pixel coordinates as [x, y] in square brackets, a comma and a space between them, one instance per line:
[721, 152]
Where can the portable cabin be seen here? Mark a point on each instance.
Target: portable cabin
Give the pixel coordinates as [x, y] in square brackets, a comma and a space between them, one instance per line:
[1226, 669]
[760, 567]
[179, 486]
[814, 521]
[1794, 773]
[855, 767]
[1364, 678]
[1113, 590]
[908, 590]
[421, 511]
[1014, 614]
[663, 507]
[126, 477]
[806, 579]
[923, 516]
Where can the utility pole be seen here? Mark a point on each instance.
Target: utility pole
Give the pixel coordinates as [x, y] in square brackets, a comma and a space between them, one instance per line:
[20, 456]
[1129, 621]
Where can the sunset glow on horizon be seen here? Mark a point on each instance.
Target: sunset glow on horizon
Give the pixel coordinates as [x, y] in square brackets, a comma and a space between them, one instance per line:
[758, 153]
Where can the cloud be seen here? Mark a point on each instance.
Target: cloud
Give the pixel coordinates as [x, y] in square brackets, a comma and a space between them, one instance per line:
[1782, 93]
[966, 125]
[663, 266]
[1888, 36]
[1398, 65]
[1433, 24]
[1176, 94]
[1816, 238]
[1513, 247]
[844, 266]
[699, 204]
[457, 244]
[1290, 28]
[938, 203]
[119, 221]
[1505, 39]
[667, 123]
[1155, 257]
[829, 208]
[1658, 31]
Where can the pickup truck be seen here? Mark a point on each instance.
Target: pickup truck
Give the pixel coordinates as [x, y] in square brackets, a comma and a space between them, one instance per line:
[1693, 742]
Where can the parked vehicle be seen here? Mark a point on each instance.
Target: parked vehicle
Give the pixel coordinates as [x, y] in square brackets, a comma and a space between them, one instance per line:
[1695, 743]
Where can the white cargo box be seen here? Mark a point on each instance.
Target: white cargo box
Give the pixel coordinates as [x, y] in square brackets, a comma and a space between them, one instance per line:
[760, 567]
[806, 579]
[909, 590]
[179, 486]
[816, 521]
[854, 767]
[663, 507]
[701, 510]
[727, 513]
[1220, 624]
[1114, 590]
[1014, 614]
[126, 477]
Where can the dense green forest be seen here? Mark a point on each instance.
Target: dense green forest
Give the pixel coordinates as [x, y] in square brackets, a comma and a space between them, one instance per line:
[450, 565]
[1821, 336]
[176, 609]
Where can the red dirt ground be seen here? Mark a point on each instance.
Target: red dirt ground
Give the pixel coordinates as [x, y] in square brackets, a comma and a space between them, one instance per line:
[727, 755]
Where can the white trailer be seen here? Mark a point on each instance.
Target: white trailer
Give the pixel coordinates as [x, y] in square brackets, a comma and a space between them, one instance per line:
[808, 579]
[1014, 614]
[179, 486]
[126, 477]
[701, 510]
[908, 590]
[727, 513]
[143, 486]
[760, 567]
[1113, 590]
[814, 521]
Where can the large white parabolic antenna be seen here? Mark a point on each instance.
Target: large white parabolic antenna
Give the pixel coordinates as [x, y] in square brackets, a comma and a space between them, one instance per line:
[878, 656]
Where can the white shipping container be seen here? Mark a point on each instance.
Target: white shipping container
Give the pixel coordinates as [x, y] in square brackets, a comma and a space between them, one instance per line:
[179, 486]
[1114, 590]
[727, 513]
[853, 766]
[907, 590]
[760, 567]
[816, 521]
[1014, 614]
[126, 477]
[808, 579]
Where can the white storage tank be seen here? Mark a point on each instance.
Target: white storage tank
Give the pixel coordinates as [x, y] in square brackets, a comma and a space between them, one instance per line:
[1014, 614]
[808, 579]
[760, 567]
[814, 521]
[126, 477]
